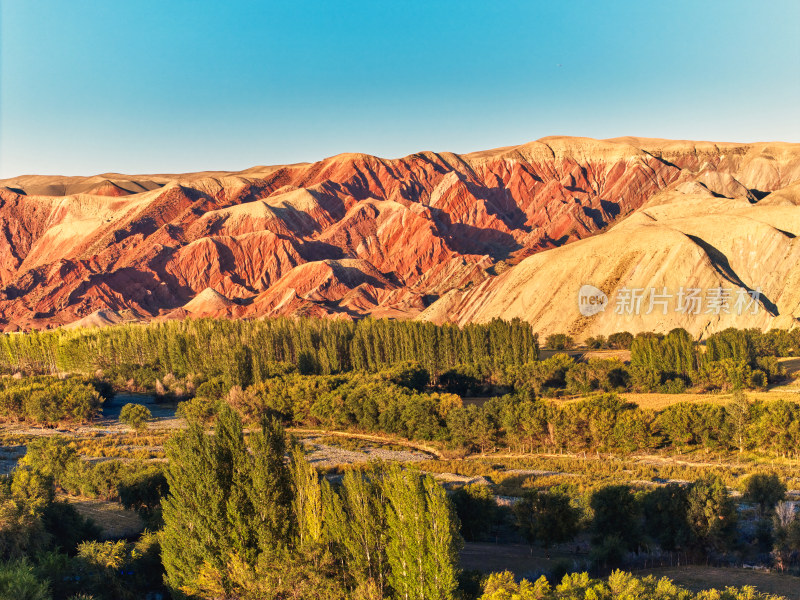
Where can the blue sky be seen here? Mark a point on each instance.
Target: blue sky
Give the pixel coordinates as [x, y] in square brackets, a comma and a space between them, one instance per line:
[172, 86]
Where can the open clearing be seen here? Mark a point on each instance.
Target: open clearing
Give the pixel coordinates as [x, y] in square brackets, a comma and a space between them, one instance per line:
[115, 520]
[520, 559]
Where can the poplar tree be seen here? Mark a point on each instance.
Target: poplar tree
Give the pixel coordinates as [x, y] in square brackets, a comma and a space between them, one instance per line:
[423, 537]
[307, 502]
[355, 519]
[442, 543]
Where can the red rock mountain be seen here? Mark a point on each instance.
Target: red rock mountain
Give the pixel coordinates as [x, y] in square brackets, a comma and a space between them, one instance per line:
[348, 236]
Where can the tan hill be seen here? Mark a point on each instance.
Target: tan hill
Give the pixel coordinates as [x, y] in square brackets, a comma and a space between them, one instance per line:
[207, 302]
[685, 238]
[441, 235]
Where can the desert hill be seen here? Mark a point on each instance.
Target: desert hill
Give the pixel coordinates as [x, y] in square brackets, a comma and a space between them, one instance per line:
[510, 232]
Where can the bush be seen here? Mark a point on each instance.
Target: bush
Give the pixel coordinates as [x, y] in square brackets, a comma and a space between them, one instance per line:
[621, 340]
[49, 400]
[547, 517]
[136, 416]
[18, 581]
[142, 490]
[50, 456]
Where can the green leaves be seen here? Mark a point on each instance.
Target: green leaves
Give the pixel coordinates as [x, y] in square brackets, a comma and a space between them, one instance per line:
[224, 500]
[423, 537]
[547, 518]
[136, 416]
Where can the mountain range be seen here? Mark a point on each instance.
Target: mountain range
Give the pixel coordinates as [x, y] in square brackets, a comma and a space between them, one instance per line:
[510, 232]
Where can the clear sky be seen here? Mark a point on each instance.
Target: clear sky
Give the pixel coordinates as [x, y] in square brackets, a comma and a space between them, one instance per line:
[172, 86]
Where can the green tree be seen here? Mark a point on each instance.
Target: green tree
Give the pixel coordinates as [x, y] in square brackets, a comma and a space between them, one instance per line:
[765, 490]
[224, 501]
[476, 509]
[711, 515]
[615, 514]
[307, 500]
[664, 510]
[50, 456]
[423, 537]
[18, 581]
[621, 340]
[559, 341]
[135, 416]
[503, 586]
[355, 521]
[547, 517]
[24, 501]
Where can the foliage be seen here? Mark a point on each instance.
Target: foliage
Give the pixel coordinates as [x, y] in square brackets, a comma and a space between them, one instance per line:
[619, 586]
[49, 400]
[18, 581]
[223, 501]
[665, 511]
[559, 341]
[711, 515]
[245, 352]
[547, 517]
[136, 416]
[615, 516]
[765, 490]
[476, 509]
[424, 542]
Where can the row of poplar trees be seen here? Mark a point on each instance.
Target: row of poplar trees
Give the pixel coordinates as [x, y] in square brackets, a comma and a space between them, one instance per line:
[245, 349]
[240, 521]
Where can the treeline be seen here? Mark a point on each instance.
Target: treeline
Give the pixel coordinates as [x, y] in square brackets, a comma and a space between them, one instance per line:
[482, 359]
[698, 520]
[775, 342]
[671, 363]
[398, 401]
[393, 402]
[242, 351]
[730, 359]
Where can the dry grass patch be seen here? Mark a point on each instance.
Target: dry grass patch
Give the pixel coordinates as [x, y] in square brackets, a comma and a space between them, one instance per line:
[111, 516]
[656, 401]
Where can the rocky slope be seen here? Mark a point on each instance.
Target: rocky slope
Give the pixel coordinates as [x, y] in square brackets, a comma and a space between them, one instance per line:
[501, 233]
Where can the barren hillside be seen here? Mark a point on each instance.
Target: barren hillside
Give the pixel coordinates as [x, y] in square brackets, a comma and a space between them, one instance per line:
[501, 233]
